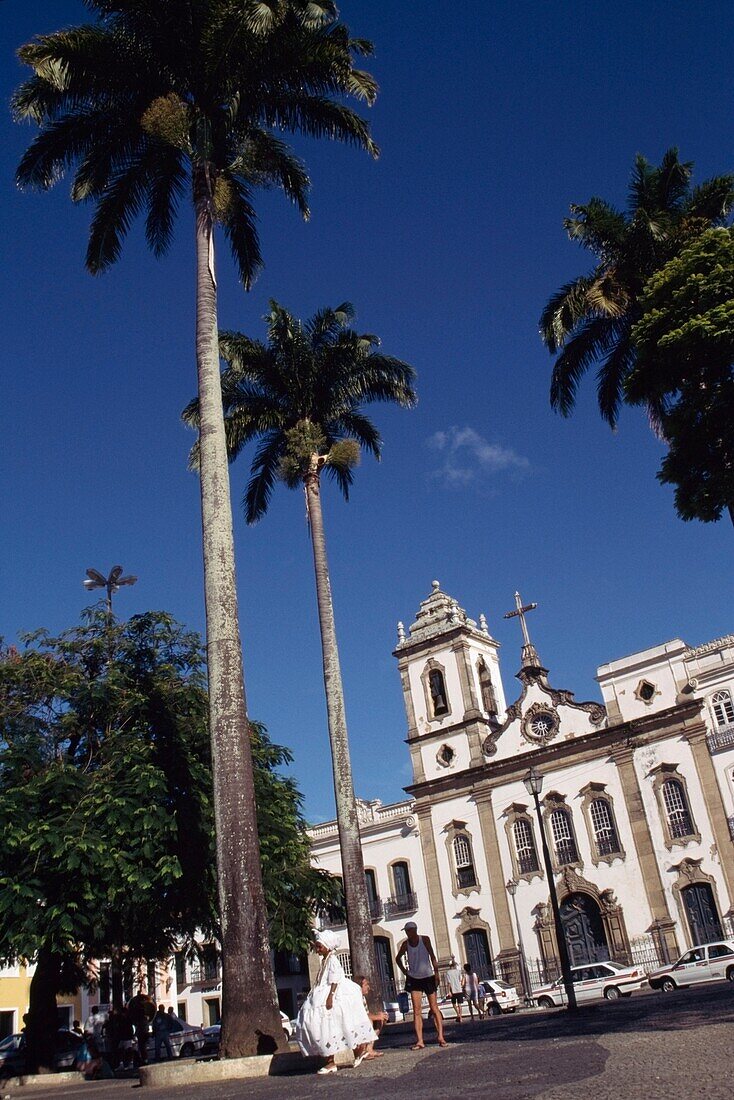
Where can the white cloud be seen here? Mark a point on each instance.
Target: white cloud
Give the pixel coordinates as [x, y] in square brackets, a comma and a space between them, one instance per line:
[466, 456]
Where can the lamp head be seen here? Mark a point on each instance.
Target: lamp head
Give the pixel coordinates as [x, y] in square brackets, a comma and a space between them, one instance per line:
[533, 781]
[511, 887]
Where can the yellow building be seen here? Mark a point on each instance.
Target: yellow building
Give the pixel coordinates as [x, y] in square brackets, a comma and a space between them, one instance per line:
[15, 988]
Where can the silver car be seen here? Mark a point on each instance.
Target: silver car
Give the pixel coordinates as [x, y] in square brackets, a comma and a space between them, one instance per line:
[186, 1041]
[708, 962]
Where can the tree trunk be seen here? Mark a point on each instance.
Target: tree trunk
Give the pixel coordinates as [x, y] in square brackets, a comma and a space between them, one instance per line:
[42, 1020]
[359, 922]
[116, 980]
[250, 1017]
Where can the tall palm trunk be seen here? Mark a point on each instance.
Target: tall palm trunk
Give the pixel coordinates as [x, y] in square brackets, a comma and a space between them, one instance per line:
[359, 923]
[249, 1002]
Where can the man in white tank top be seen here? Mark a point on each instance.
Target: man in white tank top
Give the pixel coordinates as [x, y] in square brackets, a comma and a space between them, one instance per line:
[421, 976]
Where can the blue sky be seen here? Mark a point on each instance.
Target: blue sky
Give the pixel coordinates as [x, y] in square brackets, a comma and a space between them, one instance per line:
[491, 119]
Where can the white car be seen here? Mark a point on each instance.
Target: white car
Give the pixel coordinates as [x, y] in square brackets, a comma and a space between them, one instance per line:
[594, 980]
[499, 996]
[709, 962]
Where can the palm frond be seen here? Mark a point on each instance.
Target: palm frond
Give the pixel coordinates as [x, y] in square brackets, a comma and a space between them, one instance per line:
[166, 189]
[360, 427]
[264, 474]
[266, 160]
[591, 340]
[713, 199]
[122, 201]
[319, 117]
[240, 229]
[564, 310]
[613, 371]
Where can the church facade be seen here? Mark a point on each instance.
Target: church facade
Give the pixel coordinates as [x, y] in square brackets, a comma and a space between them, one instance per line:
[637, 804]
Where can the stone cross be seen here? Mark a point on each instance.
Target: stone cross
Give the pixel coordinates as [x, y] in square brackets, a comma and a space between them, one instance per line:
[529, 653]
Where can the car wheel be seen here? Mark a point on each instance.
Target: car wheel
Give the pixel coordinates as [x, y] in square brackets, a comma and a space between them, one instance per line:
[668, 985]
[730, 974]
[187, 1050]
[545, 1002]
[611, 994]
[287, 1035]
[495, 1010]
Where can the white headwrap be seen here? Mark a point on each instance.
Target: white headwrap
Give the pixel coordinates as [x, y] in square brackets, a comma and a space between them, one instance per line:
[326, 937]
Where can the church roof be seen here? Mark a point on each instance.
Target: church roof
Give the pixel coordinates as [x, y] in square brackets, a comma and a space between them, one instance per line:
[438, 614]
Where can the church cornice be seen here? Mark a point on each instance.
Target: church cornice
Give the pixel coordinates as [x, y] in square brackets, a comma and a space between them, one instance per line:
[624, 735]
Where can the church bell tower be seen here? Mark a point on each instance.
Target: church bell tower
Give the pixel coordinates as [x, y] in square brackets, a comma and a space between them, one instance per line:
[452, 688]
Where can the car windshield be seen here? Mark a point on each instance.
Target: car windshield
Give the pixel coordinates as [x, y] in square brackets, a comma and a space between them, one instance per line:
[11, 1043]
[501, 985]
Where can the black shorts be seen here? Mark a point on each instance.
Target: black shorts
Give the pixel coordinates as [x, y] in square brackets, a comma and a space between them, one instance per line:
[424, 985]
[457, 998]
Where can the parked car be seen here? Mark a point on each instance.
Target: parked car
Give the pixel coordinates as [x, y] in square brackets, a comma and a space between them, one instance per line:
[608, 979]
[186, 1040]
[499, 996]
[13, 1052]
[709, 962]
[213, 1034]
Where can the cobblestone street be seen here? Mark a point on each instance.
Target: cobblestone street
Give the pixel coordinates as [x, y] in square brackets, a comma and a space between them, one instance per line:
[652, 1046]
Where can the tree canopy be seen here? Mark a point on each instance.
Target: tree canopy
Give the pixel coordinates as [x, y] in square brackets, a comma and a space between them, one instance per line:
[106, 803]
[151, 91]
[301, 396]
[589, 320]
[684, 370]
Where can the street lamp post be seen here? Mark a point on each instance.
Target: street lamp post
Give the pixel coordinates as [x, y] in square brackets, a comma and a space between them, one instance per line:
[511, 887]
[111, 584]
[533, 785]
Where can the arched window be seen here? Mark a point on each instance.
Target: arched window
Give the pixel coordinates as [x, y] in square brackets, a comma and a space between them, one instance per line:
[525, 851]
[680, 822]
[437, 688]
[564, 841]
[486, 687]
[464, 862]
[401, 879]
[723, 708]
[605, 829]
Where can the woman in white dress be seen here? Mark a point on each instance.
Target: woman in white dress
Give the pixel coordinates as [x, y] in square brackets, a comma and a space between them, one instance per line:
[333, 1016]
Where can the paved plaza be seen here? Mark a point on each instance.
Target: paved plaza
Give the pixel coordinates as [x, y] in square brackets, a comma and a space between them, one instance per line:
[652, 1046]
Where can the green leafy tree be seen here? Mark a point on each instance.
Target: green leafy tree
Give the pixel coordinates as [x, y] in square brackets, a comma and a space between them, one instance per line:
[301, 396]
[684, 369]
[155, 102]
[106, 809]
[590, 319]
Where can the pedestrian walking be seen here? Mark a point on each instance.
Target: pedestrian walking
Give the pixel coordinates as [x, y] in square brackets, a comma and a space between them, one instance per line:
[333, 1017]
[455, 980]
[417, 960]
[471, 992]
[162, 1033]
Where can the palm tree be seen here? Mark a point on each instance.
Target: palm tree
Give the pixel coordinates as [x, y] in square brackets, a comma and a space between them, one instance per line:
[589, 320]
[155, 100]
[301, 396]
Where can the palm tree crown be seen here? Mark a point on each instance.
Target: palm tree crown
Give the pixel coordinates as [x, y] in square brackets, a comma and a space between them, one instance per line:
[156, 88]
[590, 318]
[301, 396]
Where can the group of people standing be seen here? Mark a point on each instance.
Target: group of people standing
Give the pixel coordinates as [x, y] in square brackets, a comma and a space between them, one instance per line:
[119, 1038]
[334, 1016]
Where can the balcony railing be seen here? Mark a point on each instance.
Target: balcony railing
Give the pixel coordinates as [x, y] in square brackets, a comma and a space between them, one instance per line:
[375, 907]
[566, 852]
[527, 863]
[329, 921]
[400, 904]
[680, 824]
[721, 739]
[607, 846]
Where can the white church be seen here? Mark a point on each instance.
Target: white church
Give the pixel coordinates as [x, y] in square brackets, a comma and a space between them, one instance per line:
[637, 801]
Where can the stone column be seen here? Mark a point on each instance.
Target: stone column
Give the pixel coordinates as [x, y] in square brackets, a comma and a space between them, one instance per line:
[663, 925]
[468, 694]
[508, 958]
[696, 738]
[442, 943]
